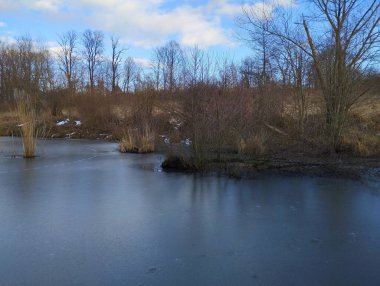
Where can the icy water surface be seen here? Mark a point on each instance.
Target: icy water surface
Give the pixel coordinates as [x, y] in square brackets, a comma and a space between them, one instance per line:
[83, 214]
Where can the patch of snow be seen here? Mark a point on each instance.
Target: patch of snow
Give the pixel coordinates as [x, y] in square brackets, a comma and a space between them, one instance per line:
[78, 123]
[63, 122]
[187, 141]
[21, 125]
[167, 140]
[70, 134]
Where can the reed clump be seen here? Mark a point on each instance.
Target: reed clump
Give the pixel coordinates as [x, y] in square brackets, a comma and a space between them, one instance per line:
[252, 145]
[27, 118]
[138, 141]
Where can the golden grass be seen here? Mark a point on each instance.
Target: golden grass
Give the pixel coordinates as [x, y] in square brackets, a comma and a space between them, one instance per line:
[26, 115]
[134, 141]
[253, 145]
[362, 144]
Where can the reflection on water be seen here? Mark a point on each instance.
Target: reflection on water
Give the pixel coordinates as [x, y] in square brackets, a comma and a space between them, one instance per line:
[84, 214]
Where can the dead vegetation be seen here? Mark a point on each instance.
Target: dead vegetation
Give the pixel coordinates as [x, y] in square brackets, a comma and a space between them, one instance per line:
[138, 141]
[289, 98]
[27, 118]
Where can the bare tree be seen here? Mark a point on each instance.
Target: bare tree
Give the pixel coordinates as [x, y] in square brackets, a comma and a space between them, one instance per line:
[340, 53]
[194, 65]
[115, 63]
[156, 68]
[93, 49]
[354, 33]
[167, 65]
[255, 21]
[67, 58]
[247, 71]
[228, 73]
[131, 71]
[297, 62]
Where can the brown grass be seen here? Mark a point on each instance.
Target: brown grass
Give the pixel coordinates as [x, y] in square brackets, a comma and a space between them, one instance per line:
[26, 115]
[362, 144]
[252, 145]
[134, 141]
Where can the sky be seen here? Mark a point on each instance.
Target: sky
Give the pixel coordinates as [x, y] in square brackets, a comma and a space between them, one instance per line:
[141, 25]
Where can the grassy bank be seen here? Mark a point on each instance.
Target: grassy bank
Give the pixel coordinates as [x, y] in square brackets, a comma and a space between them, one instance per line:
[236, 131]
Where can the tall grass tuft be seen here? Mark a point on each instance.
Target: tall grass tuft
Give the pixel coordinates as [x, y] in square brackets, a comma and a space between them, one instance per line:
[27, 118]
[254, 145]
[135, 141]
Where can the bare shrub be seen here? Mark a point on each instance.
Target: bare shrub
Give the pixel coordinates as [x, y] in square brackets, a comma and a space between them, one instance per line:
[95, 111]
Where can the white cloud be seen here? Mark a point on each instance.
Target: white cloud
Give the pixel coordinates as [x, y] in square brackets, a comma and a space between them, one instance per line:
[148, 23]
[45, 5]
[2, 24]
[7, 39]
[259, 8]
[143, 23]
[53, 48]
[39, 5]
[145, 63]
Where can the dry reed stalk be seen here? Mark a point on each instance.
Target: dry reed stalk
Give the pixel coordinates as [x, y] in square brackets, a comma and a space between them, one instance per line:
[253, 145]
[147, 140]
[138, 142]
[26, 115]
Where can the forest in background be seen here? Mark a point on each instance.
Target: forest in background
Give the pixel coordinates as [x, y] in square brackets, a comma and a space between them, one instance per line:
[312, 86]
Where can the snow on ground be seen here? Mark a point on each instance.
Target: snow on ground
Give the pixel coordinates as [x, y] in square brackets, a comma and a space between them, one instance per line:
[187, 142]
[166, 139]
[63, 122]
[67, 120]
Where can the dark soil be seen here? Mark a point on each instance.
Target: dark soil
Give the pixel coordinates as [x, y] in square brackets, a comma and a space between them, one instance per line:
[342, 165]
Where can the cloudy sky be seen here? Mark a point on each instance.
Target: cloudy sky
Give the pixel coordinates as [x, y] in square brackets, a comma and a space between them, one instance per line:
[141, 24]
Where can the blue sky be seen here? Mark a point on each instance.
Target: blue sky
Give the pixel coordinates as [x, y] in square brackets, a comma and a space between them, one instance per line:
[141, 24]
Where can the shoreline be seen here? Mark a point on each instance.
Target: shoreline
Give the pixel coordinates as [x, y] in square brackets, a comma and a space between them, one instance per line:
[342, 165]
[349, 167]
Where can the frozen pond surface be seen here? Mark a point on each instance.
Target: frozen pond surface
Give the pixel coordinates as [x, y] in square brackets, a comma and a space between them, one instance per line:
[84, 214]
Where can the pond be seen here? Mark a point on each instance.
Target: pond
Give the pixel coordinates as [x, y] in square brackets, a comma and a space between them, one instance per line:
[82, 213]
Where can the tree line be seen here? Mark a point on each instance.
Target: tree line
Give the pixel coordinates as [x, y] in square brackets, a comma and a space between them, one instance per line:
[332, 52]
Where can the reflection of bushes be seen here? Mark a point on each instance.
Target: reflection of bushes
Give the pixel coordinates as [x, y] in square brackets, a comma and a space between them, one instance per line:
[178, 163]
[135, 141]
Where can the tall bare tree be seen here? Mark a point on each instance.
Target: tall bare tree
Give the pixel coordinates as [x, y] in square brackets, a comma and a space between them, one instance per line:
[167, 65]
[131, 72]
[68, 58]
[354, 27]
[93, 48]
[256, 20]
[117, 53]
[347, 44]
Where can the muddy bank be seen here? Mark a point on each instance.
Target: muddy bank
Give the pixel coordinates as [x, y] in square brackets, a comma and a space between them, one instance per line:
[291, 164]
